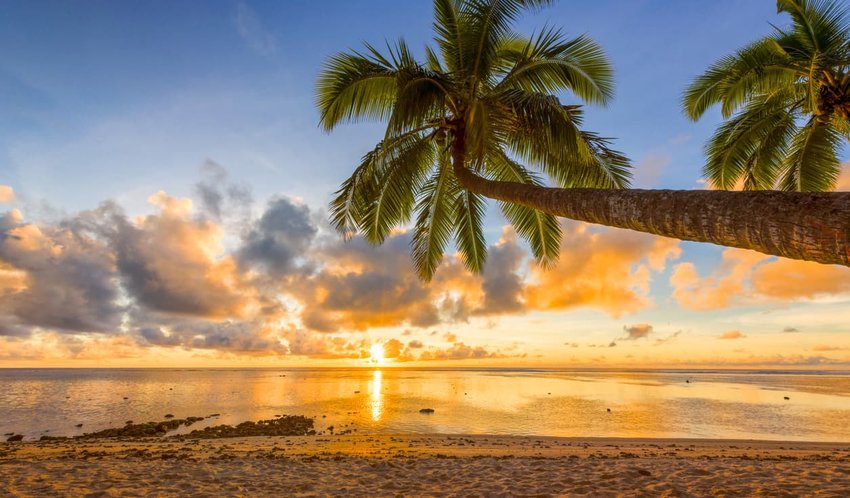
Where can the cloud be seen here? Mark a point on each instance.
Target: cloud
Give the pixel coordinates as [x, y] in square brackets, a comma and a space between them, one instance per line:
[606, 269]
[790, 329]
[55, 277]
[637, 331]
[459, 351]
[501, 283]
[218, 196]
[279, 240]
[670, 338]
[826, 347]
[251, 29]
[415, 344]
[649, 169]
[747, 277]
[362, 286]
[732, 334]
[174, 263]
[7, 195]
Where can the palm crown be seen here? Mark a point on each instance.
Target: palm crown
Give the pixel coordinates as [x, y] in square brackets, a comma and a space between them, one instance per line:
[786, 101]
[486, 98]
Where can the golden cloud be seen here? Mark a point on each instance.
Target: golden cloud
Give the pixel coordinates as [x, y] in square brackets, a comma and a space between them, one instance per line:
[607, 269]
[732, 334]
[7, 195]
[747, 277]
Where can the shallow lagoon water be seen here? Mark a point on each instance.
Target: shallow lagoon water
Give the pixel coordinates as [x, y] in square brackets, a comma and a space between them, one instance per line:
[703, 404]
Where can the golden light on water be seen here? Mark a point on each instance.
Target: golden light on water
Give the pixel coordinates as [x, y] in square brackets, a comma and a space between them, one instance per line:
[377, 396]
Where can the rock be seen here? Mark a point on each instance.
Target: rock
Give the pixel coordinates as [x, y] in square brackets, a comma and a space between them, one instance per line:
[125, 397]
[78, 425]
[786, 397]
[168, 415]
[427, 411]
[16, 437]
[9, 434]
[214, 415]
[687, 381]
[129, 422]
[356, 392]
[51, 438]
[609, 410]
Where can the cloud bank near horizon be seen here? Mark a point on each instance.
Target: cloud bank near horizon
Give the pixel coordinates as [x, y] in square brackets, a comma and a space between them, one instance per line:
[204, 275]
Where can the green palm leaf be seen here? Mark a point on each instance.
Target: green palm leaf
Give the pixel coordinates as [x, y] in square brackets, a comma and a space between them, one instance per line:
[811, 164]
[484, 90]
[469, 212]
[391, 196]
[434, 220]
[798, 74]
[541, 230]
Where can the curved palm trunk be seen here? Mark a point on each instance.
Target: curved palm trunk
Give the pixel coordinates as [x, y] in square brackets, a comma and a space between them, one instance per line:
[797, 225]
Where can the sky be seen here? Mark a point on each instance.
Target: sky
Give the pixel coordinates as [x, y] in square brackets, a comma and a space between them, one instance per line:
[164, 183]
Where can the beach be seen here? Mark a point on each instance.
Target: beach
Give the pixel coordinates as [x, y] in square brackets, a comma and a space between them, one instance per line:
[426, 465]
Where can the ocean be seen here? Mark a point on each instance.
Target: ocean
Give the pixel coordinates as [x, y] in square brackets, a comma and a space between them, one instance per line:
[762, 405]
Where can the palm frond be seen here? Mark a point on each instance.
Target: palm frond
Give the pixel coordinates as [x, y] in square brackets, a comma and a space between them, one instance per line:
[486, 23]
[352, 87]
[761, 67]
[811, 164]
[541, 230]
[448, 30]
[469, 212]
[391, 197]
[820, 25]
[549, 63]
[434, 219]
[738, 143]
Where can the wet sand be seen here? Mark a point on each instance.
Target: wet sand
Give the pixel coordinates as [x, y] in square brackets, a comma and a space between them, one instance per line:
[430, 465]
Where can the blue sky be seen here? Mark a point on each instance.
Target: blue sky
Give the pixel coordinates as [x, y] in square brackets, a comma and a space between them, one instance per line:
[108, 98]
[118, 100]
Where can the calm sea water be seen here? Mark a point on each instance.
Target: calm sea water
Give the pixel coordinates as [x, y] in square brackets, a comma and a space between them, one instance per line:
[748, 405]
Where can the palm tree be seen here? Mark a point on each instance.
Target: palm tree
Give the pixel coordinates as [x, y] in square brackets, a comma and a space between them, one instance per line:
[480, 119]
[786, 101]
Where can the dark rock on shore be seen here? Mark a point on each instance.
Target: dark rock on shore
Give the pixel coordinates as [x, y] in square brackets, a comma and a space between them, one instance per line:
[51, 438]
[168, 415]
[16, 437]
[287, 425]
[148, 429]
[427, 411]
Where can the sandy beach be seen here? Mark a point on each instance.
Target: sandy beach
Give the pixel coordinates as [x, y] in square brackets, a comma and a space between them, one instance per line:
[429, 465]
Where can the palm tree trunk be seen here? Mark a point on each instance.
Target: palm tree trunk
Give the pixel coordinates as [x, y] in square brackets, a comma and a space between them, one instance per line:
[797, 225]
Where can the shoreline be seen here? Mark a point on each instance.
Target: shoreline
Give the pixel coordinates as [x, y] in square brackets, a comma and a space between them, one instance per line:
[433, 465]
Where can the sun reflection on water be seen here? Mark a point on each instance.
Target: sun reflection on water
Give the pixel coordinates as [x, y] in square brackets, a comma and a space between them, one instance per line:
[377, 396]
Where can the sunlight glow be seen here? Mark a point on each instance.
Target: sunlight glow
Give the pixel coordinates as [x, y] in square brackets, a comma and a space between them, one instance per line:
[376, 353]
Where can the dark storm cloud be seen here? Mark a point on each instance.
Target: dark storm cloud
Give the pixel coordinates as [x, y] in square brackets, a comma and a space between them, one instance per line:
[501, 283]
[279, 239]
[56, 277]
[367, 286]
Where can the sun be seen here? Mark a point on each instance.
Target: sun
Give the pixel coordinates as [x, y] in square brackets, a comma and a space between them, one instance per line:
[376, 353]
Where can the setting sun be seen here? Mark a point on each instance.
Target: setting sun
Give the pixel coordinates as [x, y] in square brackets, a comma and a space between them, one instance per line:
[376, 353]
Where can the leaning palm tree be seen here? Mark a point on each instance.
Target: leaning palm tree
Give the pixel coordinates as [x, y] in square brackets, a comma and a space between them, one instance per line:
[786, 101]
[481, 118]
